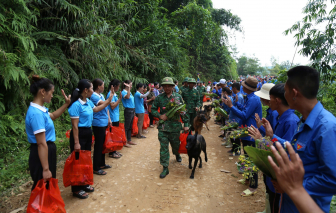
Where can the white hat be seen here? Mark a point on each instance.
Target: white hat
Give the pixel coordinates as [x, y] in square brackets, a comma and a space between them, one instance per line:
[222, 81]
[264, 92]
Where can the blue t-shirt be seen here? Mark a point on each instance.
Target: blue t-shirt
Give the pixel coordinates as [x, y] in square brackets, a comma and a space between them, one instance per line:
[114, 113]
[83, 111]
[127, 103]
[242, 90]
[139, 103]
[37, 121]
[100, 119]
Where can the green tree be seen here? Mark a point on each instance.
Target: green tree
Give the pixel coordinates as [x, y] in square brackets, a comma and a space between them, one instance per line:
[248, 65]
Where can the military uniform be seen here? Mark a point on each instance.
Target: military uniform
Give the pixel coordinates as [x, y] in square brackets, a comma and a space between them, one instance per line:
[192, 99]
[184, 87]
[201, 90]
[169, 131]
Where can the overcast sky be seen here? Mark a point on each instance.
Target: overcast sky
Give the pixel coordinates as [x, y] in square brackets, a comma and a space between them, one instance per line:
[264, 22]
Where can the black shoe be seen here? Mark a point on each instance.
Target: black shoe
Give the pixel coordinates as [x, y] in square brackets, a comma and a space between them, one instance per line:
[178, 158]
[221, 136]
[164, 173]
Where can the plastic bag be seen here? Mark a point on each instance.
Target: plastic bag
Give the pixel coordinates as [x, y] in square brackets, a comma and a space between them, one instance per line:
[78, 172]
[122, 127]
[146, 121]
[113, 139]
[135, 129]
[204, 99]
[183, 144]
[43, 200]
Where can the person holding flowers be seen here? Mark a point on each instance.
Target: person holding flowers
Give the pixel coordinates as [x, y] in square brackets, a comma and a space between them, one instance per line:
[246, 113]
[169, 126]
[285, 126]
[313, 139]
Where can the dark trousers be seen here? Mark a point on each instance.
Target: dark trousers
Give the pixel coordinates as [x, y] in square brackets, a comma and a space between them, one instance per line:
[98, 156]
[235, 144]
[274, 198]
[254, 179]
[129, 116]
[35, 166]
[114, 124]
[192, 117]
[85, 141]
[151, 118]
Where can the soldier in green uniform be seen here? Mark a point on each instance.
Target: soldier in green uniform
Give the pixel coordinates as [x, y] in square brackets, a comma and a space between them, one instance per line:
[184, 85]
[192, 100]
[201, 89]
[169, 131]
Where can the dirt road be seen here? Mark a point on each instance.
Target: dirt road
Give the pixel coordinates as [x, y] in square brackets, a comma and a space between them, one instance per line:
[133, 183]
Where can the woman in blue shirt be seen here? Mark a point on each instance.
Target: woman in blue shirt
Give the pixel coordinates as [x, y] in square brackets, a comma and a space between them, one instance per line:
[41, 131]
[113, 108]
[81, 113]
[139, 107]
[100, 122]
[129, 111]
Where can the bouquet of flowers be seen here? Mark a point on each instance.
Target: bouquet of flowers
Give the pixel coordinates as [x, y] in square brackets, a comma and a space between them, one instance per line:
[246, 167]
[222, 112]
[241, 132]
[175, 108]
[259, 155]
[230, 125]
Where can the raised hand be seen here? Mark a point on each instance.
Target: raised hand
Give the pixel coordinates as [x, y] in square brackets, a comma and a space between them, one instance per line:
[67, 98]
[254, 132]
[228, 101]
[257, 119]
[268, 127]
[112, 89]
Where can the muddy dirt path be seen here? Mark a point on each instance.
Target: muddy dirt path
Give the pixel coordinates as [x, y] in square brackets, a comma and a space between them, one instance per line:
[133, 183]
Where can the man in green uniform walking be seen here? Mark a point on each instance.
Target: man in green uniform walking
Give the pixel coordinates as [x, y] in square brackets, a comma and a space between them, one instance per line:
[201, 89]
[169, 131]
[192, 100]
[185, 84]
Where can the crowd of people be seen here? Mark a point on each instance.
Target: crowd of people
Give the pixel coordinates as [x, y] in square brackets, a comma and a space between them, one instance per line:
[310, 171]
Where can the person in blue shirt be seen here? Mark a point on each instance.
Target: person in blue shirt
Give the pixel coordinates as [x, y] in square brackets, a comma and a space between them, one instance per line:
[259, 85]
[41, 131]
[156, 88]
[286, 124]
[139, 107]
[176, 86]
[100, 122]
[313, 138]
[242, 90]
[246, 113]
[113, 109]
[271, 115]
[81, 111]
[129, 111]
[238, 99]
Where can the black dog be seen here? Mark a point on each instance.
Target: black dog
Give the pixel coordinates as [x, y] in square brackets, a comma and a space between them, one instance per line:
[196, 144]
[208, 109]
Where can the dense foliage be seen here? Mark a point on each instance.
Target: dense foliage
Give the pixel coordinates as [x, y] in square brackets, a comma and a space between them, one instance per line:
[65, 41]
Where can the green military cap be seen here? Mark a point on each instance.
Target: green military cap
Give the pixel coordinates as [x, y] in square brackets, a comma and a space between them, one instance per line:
[167, 81]
[186, 79]
[191, 80]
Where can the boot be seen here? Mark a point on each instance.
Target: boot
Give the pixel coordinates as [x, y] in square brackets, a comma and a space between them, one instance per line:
[267, 204]
[164, 173]
[178, 158]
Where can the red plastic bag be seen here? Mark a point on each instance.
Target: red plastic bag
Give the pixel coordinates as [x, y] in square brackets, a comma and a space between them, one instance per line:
[43, 200]
[146, 121]
[204, 99]
[78, 172]
[183, 144]
[122, 127]
[208, 99]
[135, 129]
[113, 139]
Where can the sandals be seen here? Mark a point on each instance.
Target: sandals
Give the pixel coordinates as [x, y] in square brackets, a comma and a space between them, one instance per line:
[243, 181]
[89, 189]
[131, 143]
[99, 172]
[127, 145]
[80, 194]
[248, 193]
[106, 167]
[114, 155]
